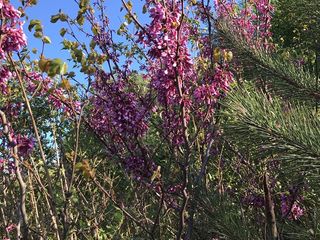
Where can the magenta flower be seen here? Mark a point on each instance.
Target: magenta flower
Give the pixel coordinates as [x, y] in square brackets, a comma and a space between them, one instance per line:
[290, 207]
[253, 21]
[10, 228]
[12, 35]
[5, 75]
[25, 145]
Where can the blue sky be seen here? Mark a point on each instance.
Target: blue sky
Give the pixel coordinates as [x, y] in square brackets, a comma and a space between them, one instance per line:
[46, 8]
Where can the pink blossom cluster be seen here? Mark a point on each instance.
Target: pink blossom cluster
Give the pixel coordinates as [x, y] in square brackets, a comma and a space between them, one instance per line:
[120, 114]
[5, 75]
[7, 166]
[170, 65]
[2, 163]
[25, 145]
[36, 85]
[139, 168]
[290, 207]
[173, 73]
[45, 87]
[214, 86]
[169, 192]
[175, 189]
[214, 74]
[117, 112]
[12, 37]
[11, 227]
[253, 21]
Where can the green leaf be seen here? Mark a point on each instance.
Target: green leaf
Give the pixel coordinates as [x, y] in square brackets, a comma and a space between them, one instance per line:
[34, 23]
[80, 19]
[38, 28]
[38, 34]
[66, 44]
[93, 44]
[65, 84]
[129, 5]
[71, 74]
[144, 9]
[56, 66]
[63, 17]
[56, 62]
[46, 39]
[55, 18]
[64, 68]
[43, 64]
[60, 16]
[79, 55]
[63, 32]
[95, 29]
[79, 166]
[32, 2]
[83, 3]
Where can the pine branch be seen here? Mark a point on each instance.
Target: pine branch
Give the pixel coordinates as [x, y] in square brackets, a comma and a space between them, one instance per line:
[271, 128]
[284, 77]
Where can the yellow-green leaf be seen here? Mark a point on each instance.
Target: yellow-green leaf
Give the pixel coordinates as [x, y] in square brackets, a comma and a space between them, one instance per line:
[46, 39]
[65, 84]
[34, 23]
[63, 32]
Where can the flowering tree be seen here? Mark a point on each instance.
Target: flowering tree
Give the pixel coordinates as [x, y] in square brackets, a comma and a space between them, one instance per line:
[150, 140]
[178, 104]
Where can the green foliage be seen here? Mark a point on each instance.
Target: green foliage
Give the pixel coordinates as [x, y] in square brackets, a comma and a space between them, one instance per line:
[52, 67]
[284, 77]
[227, 219]
[272, 127]
[271, 117]
[296, 25]
[36, 25]
[60, 16]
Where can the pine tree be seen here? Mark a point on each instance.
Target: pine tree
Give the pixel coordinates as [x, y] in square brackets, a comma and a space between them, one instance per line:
[271, 118]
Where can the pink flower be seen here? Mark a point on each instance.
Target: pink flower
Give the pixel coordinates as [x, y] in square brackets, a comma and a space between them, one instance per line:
[2, 162]
[290, 207]
[116, 111]
[296, 211]
[25, 145]
[5, 75]
[253, 22]
[10, 227]
[13, 37]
